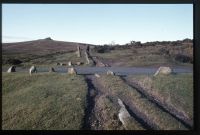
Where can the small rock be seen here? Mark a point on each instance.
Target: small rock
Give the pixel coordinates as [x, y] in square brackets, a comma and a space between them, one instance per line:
[97, 75]
[71, 71]
[78, 63]
[69, 63]
[163, 70]
[123, 114]
[32, 70]
[51, 69]
[11, 69]
[110, 72]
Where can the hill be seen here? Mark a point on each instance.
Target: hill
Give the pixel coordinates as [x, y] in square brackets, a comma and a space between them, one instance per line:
[147, 54]
[38, 51]
[43, 46]
[48, 52]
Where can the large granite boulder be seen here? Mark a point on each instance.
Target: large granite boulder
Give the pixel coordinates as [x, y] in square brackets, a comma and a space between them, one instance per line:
[51, 69]
[69, 63]
[32, 70]
[71, 71]
[163, 70]
[110, 72]
[11, 69]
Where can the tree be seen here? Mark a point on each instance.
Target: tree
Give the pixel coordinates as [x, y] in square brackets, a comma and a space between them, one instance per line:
[112, 43]
[135, 43]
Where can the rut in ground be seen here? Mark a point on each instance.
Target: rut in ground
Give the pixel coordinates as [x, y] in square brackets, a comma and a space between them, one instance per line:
[96, 115]
[149, 112]
[102, 109]
[164, 106]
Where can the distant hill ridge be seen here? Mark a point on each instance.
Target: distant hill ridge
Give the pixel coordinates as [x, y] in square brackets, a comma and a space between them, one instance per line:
[39, 46]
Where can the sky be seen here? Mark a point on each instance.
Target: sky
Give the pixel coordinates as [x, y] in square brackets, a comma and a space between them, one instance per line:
[97, 23]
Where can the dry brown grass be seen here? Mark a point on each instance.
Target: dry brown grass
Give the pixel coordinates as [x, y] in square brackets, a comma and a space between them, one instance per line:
[155, 115]
[148, 55]
[176, 90]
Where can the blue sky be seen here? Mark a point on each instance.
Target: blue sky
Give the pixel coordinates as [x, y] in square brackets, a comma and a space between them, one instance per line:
[97, 23]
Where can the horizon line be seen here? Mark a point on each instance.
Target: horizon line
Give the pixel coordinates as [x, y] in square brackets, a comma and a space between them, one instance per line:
[92, 43]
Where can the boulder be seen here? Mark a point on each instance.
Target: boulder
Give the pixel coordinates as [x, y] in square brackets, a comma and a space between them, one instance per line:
[97, 75]
[87, 58]
[110, 72]
[69, 63]
[106, 65]
[163, 70]
[71, 71]
[11, 69]
[123, 115]
[78, 63]
[51, 69]
[78, 51]
[32, 70]
[100, 64]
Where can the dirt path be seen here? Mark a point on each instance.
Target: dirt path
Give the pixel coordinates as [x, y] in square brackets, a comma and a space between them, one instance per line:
[102, 109]
[148, 113]
[89, 111]
[97, 62]
[97, 117]
[177, 114]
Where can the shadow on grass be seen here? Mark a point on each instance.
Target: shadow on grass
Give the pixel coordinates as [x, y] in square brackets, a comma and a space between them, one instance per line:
[90, 104]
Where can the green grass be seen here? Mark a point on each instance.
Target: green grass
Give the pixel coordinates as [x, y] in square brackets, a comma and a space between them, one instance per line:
[144, 56]
[63, 58]
[45, 60]
[43, 101]
[175, 89]
[128, 58]
[116, 86]
[179, 88]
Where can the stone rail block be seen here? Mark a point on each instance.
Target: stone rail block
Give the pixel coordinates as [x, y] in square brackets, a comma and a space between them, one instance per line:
[163, 70]
[69, 63]
[123, 115]
[71, 71]
[97, 75]
[11, 69]
[32, 70]
[51, 69]
[110, 72]
[78, 51]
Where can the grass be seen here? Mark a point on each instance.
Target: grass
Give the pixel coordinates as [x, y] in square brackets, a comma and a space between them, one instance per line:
[48, 59]
[128, 58]
[145, 56]
[43, 101]
[50, 52]
[174, 89]
[163, 120]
